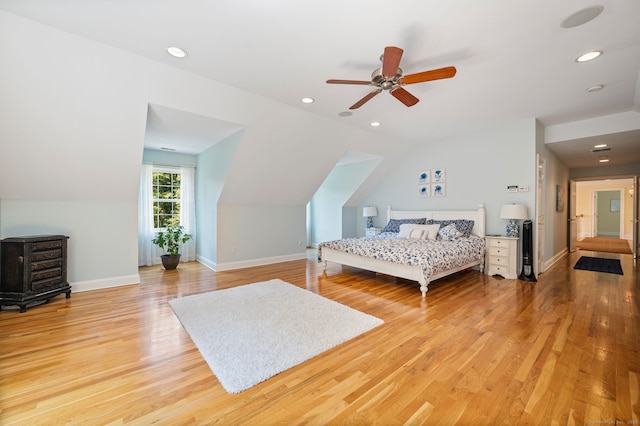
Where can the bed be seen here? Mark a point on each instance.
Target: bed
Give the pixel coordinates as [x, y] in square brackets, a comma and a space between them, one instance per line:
[411, 257]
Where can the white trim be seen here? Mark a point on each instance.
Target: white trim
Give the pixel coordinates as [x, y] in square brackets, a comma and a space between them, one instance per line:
[80, 286]
[206, 262]
[549, 263]
[258, 262]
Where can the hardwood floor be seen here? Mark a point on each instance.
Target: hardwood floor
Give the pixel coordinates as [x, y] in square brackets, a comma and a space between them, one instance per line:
[479, 350]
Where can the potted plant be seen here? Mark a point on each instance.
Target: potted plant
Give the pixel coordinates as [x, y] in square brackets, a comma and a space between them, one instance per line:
[170, 241]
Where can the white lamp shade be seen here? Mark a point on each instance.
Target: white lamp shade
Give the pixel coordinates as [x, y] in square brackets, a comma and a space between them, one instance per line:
[514, 211]
[369, 212]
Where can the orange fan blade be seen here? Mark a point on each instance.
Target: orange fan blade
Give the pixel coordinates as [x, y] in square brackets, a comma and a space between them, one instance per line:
[391, 61]
[405, 97]
[349, 82]
[365, 99]
[420, 77]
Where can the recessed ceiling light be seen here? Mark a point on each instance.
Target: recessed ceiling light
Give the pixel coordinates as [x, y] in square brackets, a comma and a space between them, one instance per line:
[595, 88]
[176, 52]
[603, 160]
[345, 114]
[582, 17]
[602, 145]
[307, 100]
[589, 56]
[375, 123]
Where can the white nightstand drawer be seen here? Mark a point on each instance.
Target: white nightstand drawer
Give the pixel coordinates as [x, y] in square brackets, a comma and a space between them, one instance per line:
[500, 242]
[371, 232]
[501, 256]
[498, 251]
[499, 260]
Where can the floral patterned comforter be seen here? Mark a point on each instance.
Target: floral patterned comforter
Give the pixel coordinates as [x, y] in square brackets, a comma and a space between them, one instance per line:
[433, 256]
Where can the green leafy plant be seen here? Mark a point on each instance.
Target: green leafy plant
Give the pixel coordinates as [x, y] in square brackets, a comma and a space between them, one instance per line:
[171, 239]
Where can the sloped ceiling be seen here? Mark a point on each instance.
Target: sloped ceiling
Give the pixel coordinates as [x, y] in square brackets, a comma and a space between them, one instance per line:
[170, 129]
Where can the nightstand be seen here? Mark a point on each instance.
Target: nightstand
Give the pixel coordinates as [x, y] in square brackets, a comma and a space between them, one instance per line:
[371, 232]
[501, 256]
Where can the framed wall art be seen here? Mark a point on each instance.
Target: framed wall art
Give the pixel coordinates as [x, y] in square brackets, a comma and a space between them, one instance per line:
[438, 175]
[438, 190]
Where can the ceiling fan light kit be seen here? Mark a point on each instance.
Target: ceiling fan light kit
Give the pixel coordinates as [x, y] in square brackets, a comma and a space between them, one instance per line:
[389, 77]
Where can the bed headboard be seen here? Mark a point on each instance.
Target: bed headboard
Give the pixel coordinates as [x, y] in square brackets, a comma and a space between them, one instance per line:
[478, 216]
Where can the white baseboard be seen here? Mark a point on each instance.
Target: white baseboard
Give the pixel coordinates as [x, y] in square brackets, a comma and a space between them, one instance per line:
[549, 263]
[79, 286]
[206, 262]
[256, 262]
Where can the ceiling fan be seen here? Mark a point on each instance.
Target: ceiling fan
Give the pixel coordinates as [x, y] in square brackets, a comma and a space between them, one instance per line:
[389, 77]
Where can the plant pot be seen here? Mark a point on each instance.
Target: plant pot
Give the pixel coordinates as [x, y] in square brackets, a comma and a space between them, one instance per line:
[169, 261]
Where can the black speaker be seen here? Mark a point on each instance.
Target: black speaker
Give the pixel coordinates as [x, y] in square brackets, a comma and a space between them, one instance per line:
[527, 252]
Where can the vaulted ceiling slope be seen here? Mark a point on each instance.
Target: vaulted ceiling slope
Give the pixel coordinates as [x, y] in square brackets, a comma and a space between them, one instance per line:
[73, 114]
[514, 59]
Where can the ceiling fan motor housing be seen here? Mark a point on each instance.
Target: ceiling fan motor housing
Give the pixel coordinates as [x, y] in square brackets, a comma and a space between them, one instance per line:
[386, 84]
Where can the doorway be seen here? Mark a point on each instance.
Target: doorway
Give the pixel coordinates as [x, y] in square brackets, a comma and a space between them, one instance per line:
[604, 209]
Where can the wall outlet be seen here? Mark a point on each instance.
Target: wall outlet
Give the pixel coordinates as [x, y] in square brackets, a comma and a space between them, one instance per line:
[234, 250]
[524, 188]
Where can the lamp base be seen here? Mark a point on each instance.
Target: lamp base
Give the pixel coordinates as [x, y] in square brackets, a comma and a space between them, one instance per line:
[369, 222]
[512, 229]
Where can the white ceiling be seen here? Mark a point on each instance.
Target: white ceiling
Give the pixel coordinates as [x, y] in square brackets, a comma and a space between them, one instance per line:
[174, 130]
[514, 60]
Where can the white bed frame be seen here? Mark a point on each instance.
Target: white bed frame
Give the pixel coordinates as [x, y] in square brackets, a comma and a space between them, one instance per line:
[412, 272]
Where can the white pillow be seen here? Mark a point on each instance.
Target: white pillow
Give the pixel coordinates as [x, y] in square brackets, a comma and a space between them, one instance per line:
[431, 231]
[424, 232]
[405, 230]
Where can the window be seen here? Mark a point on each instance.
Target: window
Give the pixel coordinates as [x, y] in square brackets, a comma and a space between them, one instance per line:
[166, 197]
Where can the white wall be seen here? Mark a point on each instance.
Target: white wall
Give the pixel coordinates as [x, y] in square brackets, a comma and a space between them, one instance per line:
[326, 209]
[211, 172]
[254, 234]
[101, 242]
[73, 128]
[479, 167]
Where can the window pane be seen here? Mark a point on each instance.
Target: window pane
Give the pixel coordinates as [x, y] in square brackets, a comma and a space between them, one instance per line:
[164, 179]
[166, 195]
[165, 221]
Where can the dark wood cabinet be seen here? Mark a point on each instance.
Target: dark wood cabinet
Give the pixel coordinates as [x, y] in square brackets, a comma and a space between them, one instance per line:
[32, 270]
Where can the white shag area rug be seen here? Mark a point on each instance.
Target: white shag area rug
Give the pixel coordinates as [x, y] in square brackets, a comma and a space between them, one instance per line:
[250, 333]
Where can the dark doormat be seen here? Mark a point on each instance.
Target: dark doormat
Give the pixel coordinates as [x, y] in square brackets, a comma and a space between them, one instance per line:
[599, 264]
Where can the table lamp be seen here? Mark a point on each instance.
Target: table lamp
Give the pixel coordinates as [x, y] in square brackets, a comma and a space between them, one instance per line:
[369, 212]
[513, 212]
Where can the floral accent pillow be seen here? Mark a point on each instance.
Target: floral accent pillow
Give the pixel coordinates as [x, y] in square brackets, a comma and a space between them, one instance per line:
[449, 232]
[463, 225]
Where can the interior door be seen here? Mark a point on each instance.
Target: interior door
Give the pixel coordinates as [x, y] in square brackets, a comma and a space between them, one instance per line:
[573, 223]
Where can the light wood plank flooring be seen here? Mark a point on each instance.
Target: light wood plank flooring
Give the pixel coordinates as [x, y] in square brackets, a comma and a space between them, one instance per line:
[479, 350]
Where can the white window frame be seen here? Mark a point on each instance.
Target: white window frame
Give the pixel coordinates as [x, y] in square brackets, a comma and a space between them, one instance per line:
[165, 169]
